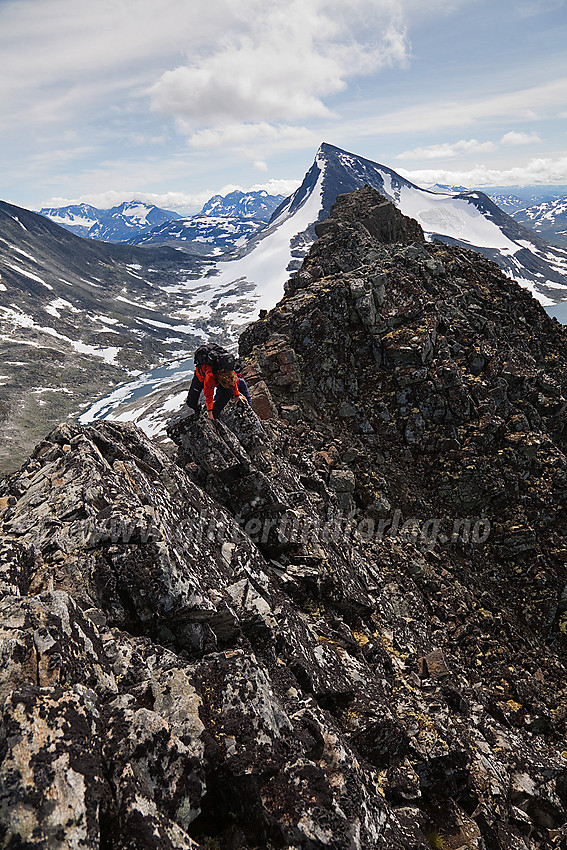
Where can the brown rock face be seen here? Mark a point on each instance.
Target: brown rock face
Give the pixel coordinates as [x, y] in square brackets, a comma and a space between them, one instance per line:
[371, 213]
[340, 627]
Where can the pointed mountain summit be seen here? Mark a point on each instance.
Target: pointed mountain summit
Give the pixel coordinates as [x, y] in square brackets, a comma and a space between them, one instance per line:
[469, 219]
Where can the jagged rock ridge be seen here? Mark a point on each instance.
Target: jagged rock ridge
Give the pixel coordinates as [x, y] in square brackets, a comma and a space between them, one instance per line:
[265, 640]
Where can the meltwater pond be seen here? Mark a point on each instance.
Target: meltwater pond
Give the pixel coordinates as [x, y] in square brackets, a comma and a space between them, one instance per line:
[559, 311]
[143, 385]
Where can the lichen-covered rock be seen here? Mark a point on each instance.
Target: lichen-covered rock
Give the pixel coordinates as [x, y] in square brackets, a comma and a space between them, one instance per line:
[52, 770]
[47, 640]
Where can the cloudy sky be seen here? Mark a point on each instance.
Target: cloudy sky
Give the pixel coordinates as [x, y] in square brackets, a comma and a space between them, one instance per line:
[172, 101]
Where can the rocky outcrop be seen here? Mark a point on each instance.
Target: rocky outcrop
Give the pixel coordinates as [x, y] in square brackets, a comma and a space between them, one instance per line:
[338, 626]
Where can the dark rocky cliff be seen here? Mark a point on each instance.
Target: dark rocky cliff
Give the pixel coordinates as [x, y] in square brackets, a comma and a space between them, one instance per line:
[341, 626]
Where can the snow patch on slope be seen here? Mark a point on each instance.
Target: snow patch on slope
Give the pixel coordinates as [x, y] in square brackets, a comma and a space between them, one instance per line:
[453, 217]
[267, 265]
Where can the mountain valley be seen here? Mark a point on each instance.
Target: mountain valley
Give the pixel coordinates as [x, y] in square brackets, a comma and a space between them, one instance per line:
[79, 316]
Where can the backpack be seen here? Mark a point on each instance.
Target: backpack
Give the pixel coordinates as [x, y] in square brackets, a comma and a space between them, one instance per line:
[215, 356]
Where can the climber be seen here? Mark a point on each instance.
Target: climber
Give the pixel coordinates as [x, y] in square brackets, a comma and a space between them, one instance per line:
[216, 376]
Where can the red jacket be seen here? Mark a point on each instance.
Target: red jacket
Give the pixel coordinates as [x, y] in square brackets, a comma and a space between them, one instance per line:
[205, 375]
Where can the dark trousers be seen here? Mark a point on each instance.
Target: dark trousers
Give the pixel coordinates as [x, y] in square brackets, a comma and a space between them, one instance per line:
[222, 395]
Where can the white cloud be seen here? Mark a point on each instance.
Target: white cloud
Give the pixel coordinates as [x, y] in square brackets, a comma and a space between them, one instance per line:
[244, 77]
[277, 187]
[292, 55]
[530, 8]
[263, 133]
[544, 100]
[447, 149]
[536, 171]
[208, 65]
[176, 201]
[468, 147]
[514, 138]
[182, 202]
[66, 42]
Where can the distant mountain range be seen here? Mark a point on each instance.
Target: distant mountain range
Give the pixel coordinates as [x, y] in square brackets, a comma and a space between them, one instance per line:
[118, 224]
[528, 195]
[538, 208]
[258, 205]
[138, 223]
[548, 219]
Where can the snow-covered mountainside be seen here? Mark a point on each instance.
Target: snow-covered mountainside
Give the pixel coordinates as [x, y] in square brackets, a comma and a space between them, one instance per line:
[548, 219]
[207, 235]
[469, 219]
[258, 205]
[78, 316]
[118, 224]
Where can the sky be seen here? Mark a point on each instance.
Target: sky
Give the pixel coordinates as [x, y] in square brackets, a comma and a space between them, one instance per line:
[173, 101]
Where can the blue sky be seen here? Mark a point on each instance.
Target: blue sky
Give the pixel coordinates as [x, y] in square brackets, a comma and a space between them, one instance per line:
[172, 101]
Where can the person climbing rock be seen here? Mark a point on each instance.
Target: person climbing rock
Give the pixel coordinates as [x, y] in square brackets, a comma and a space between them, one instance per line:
[215, 375]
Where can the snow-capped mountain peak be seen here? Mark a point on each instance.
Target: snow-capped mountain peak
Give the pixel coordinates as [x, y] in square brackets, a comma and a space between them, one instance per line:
[78, 218]
[117, 224]
[467, 218]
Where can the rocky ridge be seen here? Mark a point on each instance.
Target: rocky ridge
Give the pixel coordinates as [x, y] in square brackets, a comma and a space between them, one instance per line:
[339, 625]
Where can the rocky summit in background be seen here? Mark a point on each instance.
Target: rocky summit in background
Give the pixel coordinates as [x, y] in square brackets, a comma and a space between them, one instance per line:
[339, 623]
[463, 218]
